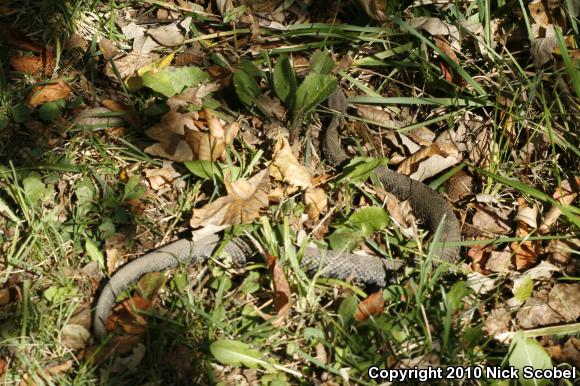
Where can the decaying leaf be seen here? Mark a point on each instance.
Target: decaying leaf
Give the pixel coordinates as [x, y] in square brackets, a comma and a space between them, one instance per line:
[286, 167]
[402, 215]
[129, 115]
[167, 35]
[565, 195]
[500, 262]
[282, 292]
[430, 161]
[459, 186]
[492, 220]
[373, 305]
[160, 177]
[74, 336]
[242, 205]
[498, 322]
[526, 252]
[191, 135]
[49, 93]
[316, 202]
[129, 64]
[561, 305]
[543, 46]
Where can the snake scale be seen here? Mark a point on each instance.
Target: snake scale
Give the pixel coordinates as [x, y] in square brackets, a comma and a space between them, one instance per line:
[369, 270]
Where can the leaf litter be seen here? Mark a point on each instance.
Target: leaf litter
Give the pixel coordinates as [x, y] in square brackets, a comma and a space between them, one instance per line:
[194, 127]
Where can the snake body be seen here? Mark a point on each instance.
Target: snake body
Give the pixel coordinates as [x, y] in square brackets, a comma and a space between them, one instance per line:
[369, 270]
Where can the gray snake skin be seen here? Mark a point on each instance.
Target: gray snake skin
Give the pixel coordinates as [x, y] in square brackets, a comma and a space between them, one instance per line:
[368, 270]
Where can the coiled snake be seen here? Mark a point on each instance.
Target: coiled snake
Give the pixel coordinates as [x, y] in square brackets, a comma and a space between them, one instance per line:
[370, 270]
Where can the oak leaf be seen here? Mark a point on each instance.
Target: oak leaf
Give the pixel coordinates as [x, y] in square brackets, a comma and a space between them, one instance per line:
[242, 205]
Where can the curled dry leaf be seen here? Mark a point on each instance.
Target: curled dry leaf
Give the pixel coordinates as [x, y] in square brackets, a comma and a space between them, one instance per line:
[49, 92]
[242, 205]
[32, 64]
[459, 186]
[374, 114]
[282, 292]
[491, 220]
[565, 195]
[430, 161]
[159, 178]
[373, 305]
[316, 202]
[526, 252]
[402, 215]
[286, 167]
[129, 64]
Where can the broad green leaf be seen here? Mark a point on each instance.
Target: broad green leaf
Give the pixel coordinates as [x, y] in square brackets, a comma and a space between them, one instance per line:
[528, 352]
[285, 81]
[94, 252]
[345, 238]
[56, 294]
[370, 219]
[313, 333]
[133, 189]
[524, 289]
[34, 188]
[361, 168]
[359, 225]
[251, 283]
[315, 89]
[20, 113]
[251, 69]
[173, 80]
[321, 63]
[246, 88]
[107, 228]
[85, 193]
[204, 169]
[458, 291]
[346, 310]
[234, 353]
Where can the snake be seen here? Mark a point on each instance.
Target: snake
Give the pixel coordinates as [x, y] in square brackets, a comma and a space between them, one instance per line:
[367, 270]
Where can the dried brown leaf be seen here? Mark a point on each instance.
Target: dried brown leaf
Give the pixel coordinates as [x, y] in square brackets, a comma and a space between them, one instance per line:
[459, 186]
[282, 292]
[565, 195]
[526, 252]
[286, 167]
[242, 205]
[430, 161]
[316, 202]
[74, 336]
[500, 262]
[129, 64]
[490, 220]
[374, 114]
[49, 93]
[373, 305]
[161, 177]
[168, 35]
